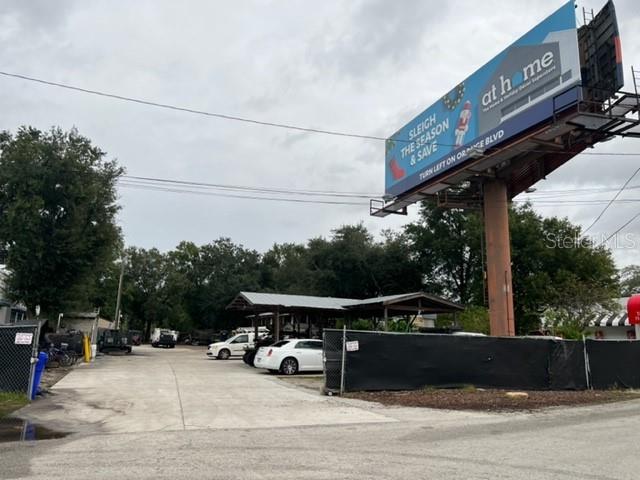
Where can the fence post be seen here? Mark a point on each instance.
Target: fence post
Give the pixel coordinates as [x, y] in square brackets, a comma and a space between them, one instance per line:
[344, 354]
[34, 359]
[587, 367]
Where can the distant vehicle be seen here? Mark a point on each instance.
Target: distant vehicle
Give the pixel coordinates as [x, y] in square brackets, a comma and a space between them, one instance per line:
[291, 356]
[199, 337]
[468, 334]
[114, 340]
[162, 337]
[136, 337]
[232, 347]
[262, 331]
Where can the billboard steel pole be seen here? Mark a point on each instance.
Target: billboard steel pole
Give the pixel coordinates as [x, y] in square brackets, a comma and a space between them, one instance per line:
[499, 282]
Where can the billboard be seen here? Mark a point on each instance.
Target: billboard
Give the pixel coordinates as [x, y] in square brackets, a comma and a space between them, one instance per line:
[509, 94]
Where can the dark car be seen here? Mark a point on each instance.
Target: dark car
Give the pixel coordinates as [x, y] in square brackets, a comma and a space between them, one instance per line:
[250, 353]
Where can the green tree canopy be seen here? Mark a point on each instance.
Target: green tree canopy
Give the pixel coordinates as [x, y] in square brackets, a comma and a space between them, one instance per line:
[553, 267]
[57, 216]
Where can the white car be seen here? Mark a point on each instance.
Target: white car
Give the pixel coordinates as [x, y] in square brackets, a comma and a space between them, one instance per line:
[231, 347]
[291, 356]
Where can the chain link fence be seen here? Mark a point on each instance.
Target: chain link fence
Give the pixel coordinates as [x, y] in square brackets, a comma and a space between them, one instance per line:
[18, 351]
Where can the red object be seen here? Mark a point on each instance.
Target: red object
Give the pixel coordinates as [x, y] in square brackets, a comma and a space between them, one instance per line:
[616, 41]
[633, 309]
[463, 120]
[270, 352]
[396, 170]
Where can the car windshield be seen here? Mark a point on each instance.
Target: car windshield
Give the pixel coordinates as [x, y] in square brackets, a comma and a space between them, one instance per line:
[280, 344]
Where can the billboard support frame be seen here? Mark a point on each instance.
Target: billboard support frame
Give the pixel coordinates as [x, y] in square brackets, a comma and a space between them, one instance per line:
[540, 132]
[498, 254]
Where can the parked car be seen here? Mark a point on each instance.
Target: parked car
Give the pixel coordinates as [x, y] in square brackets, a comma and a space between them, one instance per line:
[291, 356]
[251, 350]
[231, 347]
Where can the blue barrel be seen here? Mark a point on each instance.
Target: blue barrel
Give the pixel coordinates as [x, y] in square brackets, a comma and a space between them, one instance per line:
[40, 364]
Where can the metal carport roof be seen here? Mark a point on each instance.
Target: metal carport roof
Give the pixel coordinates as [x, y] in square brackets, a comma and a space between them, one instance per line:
[406, 302]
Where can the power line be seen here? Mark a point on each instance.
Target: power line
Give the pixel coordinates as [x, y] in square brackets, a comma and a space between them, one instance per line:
[138, 186]
[612, 200]
[224, 116]
[191, 110]
[164, 184]
[576, 202]
[245, 188]
[636, 216]
[577, 191]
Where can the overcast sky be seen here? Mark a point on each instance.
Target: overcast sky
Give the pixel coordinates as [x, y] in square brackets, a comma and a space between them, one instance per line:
[357, 66]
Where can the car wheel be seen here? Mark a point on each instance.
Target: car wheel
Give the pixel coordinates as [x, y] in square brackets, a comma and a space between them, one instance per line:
[289, 366]
[224, 354]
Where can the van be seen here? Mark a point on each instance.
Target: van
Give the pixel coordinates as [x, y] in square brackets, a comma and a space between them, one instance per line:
[231, 347]
[162, 337]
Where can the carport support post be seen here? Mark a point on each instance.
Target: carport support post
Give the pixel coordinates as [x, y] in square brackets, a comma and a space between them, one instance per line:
[276, 325]
[499, 281]
[344, 355]
[386, 319]
[255, 327]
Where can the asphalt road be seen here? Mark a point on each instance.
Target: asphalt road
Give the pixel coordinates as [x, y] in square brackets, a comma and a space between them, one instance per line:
[175, 414]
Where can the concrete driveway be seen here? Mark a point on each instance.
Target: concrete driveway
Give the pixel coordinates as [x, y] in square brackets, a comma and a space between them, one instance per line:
[179, 389]
[174, 414]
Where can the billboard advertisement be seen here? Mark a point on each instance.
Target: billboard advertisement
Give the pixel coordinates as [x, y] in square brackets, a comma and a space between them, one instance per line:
[511, 93]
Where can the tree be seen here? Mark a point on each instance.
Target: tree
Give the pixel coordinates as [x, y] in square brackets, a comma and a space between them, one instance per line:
[57, 217]
[394, 265]
[447, 243]
[143, 295]
[556, 270]
[286, 269]
[630, 280]
[552, 267]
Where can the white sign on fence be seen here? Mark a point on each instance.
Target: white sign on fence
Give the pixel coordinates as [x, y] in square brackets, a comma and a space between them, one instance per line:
[353, 346]
[23, 338]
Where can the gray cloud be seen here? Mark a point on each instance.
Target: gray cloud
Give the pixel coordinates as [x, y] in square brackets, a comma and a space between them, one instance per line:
[376, 34]
[365, 67]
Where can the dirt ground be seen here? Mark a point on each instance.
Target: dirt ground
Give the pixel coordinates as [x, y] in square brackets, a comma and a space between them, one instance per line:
[51, 376]
[494, 399]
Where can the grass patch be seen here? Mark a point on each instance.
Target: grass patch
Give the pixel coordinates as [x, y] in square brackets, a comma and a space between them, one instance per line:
[10, 402]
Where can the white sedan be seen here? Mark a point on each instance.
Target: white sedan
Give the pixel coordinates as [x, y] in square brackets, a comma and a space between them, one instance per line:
[291, 356]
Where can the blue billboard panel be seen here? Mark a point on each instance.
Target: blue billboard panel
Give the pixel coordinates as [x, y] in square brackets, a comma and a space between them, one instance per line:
[511, 93]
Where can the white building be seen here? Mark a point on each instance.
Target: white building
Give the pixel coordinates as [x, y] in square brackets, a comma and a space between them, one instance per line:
[613, 325]
[10, 313]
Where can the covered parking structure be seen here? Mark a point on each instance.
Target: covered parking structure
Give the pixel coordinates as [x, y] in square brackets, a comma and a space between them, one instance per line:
[307, 315]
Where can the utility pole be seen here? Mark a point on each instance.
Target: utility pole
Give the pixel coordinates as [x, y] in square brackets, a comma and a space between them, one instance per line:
[117, 316]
